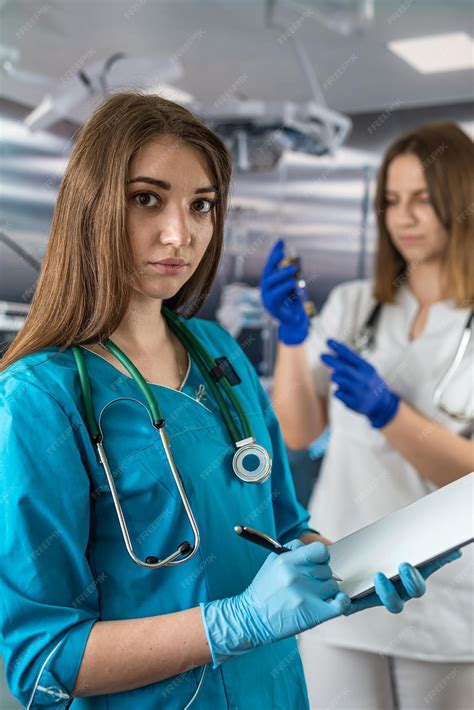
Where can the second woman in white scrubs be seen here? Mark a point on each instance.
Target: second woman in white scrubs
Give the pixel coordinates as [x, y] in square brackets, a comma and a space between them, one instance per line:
[389, 443]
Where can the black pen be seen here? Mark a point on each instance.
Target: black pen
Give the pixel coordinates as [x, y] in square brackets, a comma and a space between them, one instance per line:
[264, 540]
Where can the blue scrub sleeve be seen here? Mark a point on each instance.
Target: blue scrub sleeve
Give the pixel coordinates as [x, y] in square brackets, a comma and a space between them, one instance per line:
[48, 594]
[291, 517]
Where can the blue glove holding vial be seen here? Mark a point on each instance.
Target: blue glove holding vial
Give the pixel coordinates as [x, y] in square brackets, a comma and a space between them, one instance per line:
[282, 298]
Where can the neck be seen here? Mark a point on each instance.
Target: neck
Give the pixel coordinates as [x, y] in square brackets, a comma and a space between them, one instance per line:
[426, 281]
[142, 331]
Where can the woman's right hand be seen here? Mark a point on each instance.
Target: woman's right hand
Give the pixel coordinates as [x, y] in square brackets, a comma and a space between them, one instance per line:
[280, 298]
[290, 593]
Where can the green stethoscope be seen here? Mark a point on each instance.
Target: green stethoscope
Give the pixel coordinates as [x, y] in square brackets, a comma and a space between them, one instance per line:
[218, 373]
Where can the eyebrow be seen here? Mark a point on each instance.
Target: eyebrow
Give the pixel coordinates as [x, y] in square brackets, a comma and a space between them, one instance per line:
[167, 186]
[416, 192]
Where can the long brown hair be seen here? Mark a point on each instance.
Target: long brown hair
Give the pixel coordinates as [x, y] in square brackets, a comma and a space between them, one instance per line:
[447, 156]
[84, 286]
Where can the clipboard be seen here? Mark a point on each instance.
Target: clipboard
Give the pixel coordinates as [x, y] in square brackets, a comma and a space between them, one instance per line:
[420, 532]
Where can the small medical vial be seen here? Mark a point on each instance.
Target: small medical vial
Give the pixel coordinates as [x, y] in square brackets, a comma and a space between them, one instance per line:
[293, 258]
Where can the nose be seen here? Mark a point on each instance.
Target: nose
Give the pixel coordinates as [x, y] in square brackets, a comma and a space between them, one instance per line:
[174, 228]
[404, 213]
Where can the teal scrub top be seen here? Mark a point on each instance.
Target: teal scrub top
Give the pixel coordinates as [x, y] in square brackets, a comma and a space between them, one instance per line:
[65, 565]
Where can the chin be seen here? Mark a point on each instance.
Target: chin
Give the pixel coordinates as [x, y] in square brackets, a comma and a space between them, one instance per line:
[413, 253]
[164, 295]
[161, 294]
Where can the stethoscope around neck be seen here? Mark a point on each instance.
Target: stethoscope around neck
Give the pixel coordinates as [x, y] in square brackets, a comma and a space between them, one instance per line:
[219, 375]
[364, 342]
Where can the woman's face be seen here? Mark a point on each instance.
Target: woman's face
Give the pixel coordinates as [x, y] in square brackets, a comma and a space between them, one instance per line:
[410, 218]
[171, 201]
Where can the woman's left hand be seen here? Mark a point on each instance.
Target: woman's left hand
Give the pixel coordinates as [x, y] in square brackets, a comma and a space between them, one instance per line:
[393, 595]
[360, 387]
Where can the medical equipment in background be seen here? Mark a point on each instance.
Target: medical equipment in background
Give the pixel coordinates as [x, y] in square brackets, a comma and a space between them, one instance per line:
[216, 372]
[368, 173]
[240, 304]
[94, 79]
[18, 249]
[13, 314]
[364, 343]
[241, 307]
[12, 317]
[345, 17]
[257, 132]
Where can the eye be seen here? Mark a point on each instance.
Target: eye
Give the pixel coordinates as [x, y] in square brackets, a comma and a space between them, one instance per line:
[143, 199]
[203, 206]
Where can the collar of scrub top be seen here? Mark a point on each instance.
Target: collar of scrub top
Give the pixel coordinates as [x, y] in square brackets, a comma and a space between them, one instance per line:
[364, 343]
[215, 372]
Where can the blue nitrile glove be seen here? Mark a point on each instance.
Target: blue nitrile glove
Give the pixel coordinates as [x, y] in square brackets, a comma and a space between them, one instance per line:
[280, 297]
[359, 385]
[293, 592]
[290, 593]
[411, 584]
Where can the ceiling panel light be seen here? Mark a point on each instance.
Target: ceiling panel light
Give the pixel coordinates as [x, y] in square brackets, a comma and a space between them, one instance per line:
[436, 53]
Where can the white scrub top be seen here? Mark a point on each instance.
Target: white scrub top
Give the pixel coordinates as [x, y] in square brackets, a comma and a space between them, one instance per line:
[363, 478]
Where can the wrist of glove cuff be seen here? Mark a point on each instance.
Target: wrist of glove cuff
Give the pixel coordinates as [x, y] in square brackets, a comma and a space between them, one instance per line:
[231, 629]
[385, 414]
[289, 335]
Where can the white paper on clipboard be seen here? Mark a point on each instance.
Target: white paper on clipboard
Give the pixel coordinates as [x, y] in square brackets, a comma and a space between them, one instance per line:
[422, 531]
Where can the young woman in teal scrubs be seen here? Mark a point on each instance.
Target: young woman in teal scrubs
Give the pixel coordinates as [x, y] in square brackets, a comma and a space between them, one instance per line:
[81, 621]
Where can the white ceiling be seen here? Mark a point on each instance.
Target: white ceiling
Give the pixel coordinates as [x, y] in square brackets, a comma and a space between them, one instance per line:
[227, 43]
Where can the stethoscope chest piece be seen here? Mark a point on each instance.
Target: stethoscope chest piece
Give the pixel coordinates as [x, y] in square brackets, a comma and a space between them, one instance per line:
[248, 448]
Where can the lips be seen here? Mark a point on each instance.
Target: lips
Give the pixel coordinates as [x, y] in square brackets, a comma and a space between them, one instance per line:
[169, 267]
[409, 238]
[170, 262]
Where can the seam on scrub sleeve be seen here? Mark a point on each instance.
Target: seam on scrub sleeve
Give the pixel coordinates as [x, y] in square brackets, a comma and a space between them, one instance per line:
[60, 694]
[73, 644]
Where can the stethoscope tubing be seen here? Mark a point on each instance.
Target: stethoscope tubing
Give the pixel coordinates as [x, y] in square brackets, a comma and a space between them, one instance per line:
[244, 445]
[205, 364]
[364, 342]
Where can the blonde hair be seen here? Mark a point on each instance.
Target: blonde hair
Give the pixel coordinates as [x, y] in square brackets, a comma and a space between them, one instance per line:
[84, 286]
[447, 157]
